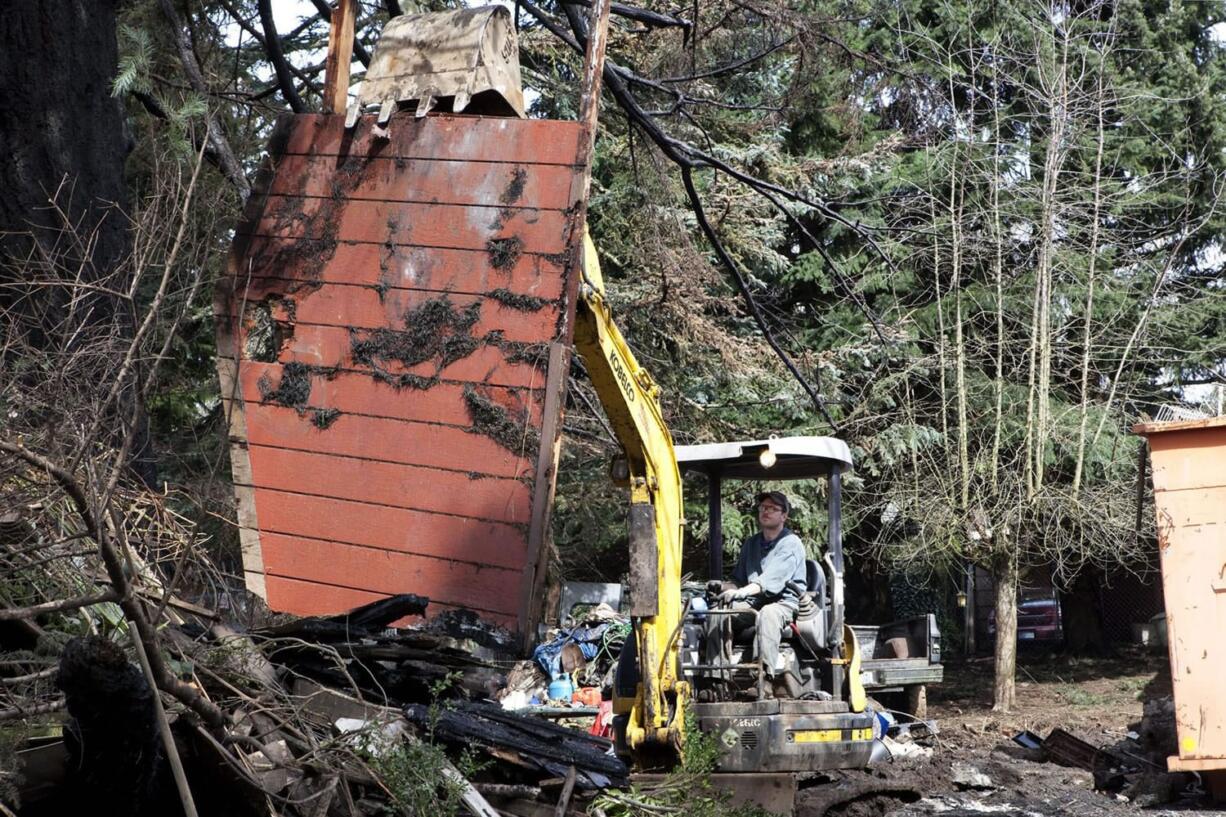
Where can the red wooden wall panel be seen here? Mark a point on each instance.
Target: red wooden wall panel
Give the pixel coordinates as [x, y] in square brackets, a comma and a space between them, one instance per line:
[384, 337]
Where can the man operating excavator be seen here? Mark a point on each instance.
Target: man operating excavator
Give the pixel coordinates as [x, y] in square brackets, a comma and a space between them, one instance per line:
[769, 578]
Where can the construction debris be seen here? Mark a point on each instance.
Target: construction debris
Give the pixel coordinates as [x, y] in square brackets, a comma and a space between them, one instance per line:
[969, 777]
[531, 743]
[1069, 750]
[322, 715]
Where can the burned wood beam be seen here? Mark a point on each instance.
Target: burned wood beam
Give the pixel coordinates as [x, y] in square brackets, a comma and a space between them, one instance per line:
[382, 613]
[536, 744]
[344, 627]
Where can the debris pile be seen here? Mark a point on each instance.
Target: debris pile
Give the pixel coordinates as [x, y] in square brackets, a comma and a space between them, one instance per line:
[318, 716]
[141, 702]
[1133, 769]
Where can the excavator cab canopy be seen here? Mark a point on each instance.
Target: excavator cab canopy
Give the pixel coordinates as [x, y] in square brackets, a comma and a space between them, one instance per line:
[780, 458]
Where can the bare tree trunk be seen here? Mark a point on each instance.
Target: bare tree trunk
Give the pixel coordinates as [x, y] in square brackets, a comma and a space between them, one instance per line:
[942, 355]
[1004, 690]
[1028, 460]
[62, 137]
[998, 276]
[1053, 160]
[956, 199]
[63, 178]
[1086, 338]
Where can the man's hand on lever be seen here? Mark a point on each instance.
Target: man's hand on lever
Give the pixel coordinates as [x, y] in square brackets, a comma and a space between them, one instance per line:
[737, 593]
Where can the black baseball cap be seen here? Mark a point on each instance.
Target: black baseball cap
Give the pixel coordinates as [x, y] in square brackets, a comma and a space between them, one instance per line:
[774, 496]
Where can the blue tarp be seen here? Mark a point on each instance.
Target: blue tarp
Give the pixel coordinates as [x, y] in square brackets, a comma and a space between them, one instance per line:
[549, 654]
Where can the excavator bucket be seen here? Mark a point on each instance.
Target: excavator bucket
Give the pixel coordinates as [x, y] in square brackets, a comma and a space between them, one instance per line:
[468, 57]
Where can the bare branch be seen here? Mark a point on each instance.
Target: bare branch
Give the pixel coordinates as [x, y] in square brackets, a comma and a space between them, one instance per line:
[117, 571]
[759, 319]
[303, 75]
[231, 168]
[272, 46]
[18, 713]
[732, 67]
[14, 613]
[14, 680]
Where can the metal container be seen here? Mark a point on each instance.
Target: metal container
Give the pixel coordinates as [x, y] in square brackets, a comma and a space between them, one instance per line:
[393, 342]
[1189, 475]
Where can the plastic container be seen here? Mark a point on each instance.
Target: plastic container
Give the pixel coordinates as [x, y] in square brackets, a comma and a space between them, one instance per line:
[588, 696]
[561, 688]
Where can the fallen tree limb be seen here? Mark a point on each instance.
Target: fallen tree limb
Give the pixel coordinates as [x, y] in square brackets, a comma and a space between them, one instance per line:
[14, 613]
[19, 712]
[14, 680]
[127, 600]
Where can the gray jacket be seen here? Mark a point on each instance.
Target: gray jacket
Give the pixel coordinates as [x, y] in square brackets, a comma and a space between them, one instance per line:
[775, 565]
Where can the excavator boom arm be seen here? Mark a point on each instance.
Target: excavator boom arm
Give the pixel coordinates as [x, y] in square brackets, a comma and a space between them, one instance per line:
[631, 401]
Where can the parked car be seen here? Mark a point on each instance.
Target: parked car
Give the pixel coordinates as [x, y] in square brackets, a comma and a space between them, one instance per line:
[1038, 619]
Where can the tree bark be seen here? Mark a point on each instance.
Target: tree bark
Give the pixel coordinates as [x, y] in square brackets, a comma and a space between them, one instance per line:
[1004, 690]
[60, 130]
[64, 141]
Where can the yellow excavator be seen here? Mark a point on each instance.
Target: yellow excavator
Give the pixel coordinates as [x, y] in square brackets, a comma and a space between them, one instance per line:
[827, 724]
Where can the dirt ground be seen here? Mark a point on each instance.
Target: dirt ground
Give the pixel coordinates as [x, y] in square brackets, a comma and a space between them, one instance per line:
[1099, 700]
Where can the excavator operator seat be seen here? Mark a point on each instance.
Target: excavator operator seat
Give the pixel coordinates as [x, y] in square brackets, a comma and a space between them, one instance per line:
[815, 580]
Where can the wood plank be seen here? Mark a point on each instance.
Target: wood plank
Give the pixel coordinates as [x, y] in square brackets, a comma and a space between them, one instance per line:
[362, 308]
[532, 607]
[358, 393]
[329, 346]
[461, 272]
[288, 221]
[340, 54]
[439, 136]
[383, 571]
[315, 599]
[375, 438]
[400, 486]
[401, 530]
[442, 181]
[240, 464]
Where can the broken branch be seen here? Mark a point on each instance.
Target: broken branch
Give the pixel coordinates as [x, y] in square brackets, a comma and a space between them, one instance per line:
[14, 613]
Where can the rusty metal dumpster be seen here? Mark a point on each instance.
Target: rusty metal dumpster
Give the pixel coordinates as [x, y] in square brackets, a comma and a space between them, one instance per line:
[1188, 461]
[392, 349]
